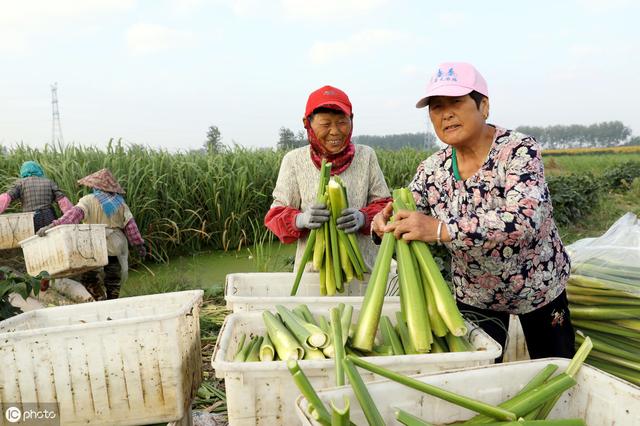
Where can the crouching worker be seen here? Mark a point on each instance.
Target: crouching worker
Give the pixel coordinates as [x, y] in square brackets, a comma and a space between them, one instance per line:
[106, 206]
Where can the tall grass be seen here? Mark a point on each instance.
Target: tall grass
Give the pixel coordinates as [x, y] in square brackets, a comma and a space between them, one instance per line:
[187, 202]
[182, 202]
[400, 166]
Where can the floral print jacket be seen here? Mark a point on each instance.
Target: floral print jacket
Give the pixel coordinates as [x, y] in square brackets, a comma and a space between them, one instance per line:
[506, 251]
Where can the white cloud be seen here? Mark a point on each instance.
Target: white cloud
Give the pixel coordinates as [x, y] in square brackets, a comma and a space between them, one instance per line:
[366, 41]
[12, 41]
[246, 7]
[602, 6]
[150, 38]
[20, 21]
[27, 11]
[585, 50]
[410, 70]
[452, 18]
[243, 8]
[335, 9]
[185, 7]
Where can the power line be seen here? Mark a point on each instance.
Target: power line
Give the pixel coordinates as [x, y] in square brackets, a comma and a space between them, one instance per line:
[56, 127]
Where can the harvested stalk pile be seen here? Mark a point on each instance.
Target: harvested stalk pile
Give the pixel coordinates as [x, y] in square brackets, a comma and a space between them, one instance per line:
[297, 334]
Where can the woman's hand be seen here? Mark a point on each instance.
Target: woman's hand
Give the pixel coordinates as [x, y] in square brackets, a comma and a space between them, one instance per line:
[409, 225]
[380, 220]
[416, 226]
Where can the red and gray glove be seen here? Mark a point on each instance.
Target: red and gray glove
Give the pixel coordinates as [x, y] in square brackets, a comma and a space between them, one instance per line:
[350, 220]
[313, 217]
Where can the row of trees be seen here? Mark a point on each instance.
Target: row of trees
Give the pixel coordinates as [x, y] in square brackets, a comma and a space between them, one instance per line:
[213, 144]
[608, 133]
[423, 141]
[290, 140]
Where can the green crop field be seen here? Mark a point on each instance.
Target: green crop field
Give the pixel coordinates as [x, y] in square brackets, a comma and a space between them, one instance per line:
[190, 202]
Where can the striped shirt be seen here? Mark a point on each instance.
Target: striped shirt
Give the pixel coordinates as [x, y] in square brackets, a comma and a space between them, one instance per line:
[35, 193]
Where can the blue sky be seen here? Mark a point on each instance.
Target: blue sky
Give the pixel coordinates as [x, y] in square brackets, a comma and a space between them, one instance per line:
[160, 72]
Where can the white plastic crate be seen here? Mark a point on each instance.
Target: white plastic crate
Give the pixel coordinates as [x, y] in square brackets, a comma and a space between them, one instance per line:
[259, 291]
[66, 250]
[126, 361]
[598, 398]
[15, 227]
[263, 393]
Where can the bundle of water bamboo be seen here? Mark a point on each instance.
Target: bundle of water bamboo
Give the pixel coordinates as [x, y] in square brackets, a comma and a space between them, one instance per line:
[427, 304]
[334, 252]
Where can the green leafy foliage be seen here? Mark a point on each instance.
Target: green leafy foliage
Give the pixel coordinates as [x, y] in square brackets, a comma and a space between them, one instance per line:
[622, 175]
[12, 282]
[573, 196]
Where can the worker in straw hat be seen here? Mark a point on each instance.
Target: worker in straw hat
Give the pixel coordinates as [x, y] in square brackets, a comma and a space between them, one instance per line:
[37, 193]
[106, 205]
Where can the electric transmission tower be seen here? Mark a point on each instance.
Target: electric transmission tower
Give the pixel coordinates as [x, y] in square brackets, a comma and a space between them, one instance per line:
[56, 127]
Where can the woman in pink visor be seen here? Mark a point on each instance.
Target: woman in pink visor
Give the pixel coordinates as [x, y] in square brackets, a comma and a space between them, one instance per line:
[328, 119]
[485, 198]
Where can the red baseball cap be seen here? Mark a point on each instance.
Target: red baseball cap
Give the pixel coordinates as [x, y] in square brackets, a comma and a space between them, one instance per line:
[328, 97]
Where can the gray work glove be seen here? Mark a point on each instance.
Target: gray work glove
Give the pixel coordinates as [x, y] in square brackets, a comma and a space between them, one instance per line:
[313, 217]
[42, 230]
[350, 220]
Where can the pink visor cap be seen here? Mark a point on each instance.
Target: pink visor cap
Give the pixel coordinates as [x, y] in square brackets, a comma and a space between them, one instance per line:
[454, 79]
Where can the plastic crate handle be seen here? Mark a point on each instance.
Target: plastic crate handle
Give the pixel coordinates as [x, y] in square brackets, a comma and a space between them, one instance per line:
[229, 288]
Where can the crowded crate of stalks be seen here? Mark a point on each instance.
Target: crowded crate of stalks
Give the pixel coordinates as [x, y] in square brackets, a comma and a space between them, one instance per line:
[333, 252]
[532, 396]
[297, 334]
[263, 392]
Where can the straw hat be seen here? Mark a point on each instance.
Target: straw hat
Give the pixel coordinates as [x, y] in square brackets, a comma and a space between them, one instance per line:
[102, 180]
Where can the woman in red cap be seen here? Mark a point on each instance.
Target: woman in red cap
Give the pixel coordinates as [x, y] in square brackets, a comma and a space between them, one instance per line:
[105, 205]
[328, 120]
[485, 198]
